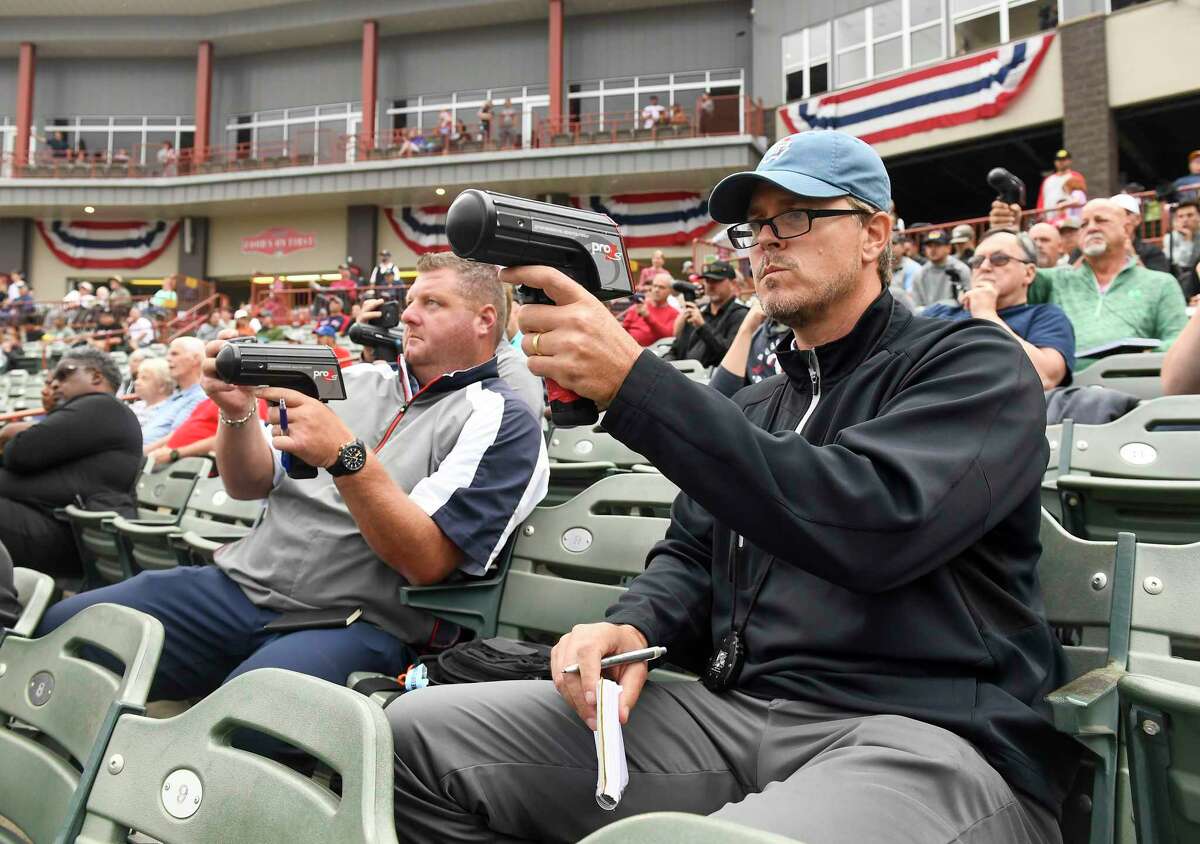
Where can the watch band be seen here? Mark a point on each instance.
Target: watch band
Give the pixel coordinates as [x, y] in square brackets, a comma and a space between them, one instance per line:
[339, 468]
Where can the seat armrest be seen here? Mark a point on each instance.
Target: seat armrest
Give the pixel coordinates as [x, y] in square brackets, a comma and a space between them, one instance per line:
[144, 528]
[1087, 705]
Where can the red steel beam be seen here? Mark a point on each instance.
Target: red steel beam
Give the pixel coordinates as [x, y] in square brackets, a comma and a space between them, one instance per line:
[26, 67]
[555, 71]
[370, 81]
[204, 57]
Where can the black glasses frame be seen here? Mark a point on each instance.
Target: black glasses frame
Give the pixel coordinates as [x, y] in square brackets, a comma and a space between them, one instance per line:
[976, 261]
[743, 235]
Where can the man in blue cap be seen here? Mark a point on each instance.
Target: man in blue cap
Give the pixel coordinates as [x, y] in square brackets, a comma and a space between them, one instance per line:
[850, 567]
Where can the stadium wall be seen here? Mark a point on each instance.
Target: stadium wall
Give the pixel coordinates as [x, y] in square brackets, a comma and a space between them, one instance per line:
[8, 90]
[1146, 50]
[327, 227]
[102, 86]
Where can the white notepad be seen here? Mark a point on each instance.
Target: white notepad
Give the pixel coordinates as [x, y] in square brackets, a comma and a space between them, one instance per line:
[612, 775]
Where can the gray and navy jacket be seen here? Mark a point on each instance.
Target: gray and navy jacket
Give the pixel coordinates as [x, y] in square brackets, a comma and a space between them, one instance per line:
[886, 486]
[465, 449]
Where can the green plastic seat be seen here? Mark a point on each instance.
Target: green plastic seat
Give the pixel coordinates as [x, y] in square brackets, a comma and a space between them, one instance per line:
[180, 780]
[692, 369]
[1137, 374]
[35, 589]
[681, 828]
[592, 444]
[64, 708]
[1050, 499]
[1135, 474]
[1086, 588]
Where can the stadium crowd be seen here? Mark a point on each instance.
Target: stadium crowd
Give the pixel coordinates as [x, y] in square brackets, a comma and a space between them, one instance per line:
[835, 342]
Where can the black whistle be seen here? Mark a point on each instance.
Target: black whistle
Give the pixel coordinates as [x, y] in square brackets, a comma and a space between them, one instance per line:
[312, 370]
[494, 228]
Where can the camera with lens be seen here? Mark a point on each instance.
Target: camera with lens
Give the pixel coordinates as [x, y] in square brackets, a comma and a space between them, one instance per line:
[689, 291]
[389, 315]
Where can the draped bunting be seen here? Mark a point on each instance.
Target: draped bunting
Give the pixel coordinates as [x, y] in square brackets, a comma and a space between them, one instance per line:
[107, 244]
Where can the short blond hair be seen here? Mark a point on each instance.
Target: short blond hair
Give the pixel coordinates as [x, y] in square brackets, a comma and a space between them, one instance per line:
[477, 283]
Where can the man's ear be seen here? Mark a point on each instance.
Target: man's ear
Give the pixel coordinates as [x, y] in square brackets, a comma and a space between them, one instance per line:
[486, 319]
[878, 233]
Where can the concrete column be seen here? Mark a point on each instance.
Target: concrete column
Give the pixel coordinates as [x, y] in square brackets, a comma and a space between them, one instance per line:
[26, 66]
[193, 245]
[1089, 127]
[362, 230]
[370, 83]
[555, 71]
[204, 55]
[16, 245]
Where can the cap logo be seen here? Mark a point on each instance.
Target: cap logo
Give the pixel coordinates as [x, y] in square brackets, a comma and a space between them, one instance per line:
[777, 151]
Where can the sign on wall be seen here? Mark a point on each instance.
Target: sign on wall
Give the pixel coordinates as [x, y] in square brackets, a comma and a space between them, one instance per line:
[278, 240]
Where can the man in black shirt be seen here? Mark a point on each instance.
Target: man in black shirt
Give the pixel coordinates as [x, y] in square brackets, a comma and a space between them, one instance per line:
[704, 334]
[89, 447]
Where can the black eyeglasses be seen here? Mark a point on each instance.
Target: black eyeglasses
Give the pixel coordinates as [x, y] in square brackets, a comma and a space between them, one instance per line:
[998, 259]
[787, 225]
[64, 371]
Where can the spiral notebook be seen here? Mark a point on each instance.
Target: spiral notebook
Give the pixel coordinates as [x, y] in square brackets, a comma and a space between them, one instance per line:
[612, 775]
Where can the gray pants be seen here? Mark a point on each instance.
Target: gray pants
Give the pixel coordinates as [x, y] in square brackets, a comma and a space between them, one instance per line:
[510, 761]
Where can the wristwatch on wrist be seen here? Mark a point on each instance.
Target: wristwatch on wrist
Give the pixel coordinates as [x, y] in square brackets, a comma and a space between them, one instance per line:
[351, 457]
[174, 455]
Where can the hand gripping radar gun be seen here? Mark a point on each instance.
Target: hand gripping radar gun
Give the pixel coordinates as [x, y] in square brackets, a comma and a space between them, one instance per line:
[496, 229]
[312, 370]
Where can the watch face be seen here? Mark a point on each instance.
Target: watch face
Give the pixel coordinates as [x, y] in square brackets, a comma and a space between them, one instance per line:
[353, 457]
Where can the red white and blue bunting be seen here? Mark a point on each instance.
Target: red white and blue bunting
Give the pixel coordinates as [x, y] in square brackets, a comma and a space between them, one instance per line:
[975, 87]
[107, 244]
[645, 219]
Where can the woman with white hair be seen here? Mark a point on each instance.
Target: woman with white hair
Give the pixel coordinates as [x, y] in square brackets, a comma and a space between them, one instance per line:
[153, 385]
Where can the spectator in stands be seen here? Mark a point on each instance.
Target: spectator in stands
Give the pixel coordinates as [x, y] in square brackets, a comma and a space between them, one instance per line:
[705, 108]
[944, 277]
[119, 297]
[704, 330]
[1110, 296]
[138, 329]
[1181, 366]
[904, 268]
[241, 324]
[184, 358]
[1150, 255]
[336, 319]
[1074, 198]
[211, 327]
[152, 384]
[418, 485]
[197, 435]
[653, 318]
[326, 335]
[59, 146]
[108, 335]
[1048, 242]
[345, 286]
[653, 113]
[1002, 269]
[678, 115]
[385, 273]
[508, 125]
[268, 331]
[1183, 245]
[165, 298]
[128, 383]
[754, 353]
[647, 274]
[1191, 181]
[962, 242]
[407, 143]
[1053, 186]
[820, 513]
[445, 129]
[485, 122]
[88, 449]
[167, 158]
[1068, 230]
[908, 246]
[10, 607]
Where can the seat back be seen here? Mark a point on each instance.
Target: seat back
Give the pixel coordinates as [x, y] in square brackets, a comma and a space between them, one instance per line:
[590, 443]
[1165, 636]
[1137, 374]
[572, 561]
[49, 688]
[211, 511]
[162, 492]
[181, 780]
[34, 591]
[1140, 473]
[692, 369]
[1050, 500]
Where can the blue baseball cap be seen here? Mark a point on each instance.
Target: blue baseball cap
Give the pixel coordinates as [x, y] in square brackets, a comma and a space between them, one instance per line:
[819, 163]
[326, 331]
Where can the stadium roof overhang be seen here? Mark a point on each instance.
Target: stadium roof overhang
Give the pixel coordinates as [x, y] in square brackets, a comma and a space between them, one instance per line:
[123, 28]
[629, 168]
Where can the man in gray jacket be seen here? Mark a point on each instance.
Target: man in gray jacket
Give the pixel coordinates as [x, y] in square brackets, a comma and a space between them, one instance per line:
[944, 278]
[422, 481]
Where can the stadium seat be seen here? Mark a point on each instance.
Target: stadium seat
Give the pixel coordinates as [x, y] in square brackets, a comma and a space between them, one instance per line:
[161, 497]
[1137, 374]
[662, 346]
[181, 780]
[143, 540]
[58, 711]
[569, 479]
[210, 516]
[692, 369]
[681, 828]
[1086, 587]
[1050, 499]
[590, 443]
[1140, 473]
[35, 590]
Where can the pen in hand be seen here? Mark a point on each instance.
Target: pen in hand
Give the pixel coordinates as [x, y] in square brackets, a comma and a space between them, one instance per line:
[646, 654]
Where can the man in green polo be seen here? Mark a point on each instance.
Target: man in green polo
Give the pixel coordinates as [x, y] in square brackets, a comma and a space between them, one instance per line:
[1110, 296]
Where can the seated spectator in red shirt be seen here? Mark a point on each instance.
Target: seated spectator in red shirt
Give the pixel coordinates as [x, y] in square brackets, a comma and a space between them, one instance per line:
[327, 336]
[196, 435]
[654, 317]
[336, 317]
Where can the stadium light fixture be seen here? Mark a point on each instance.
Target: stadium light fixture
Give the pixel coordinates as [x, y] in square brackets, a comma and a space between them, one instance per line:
[440, 191]
[88, 209]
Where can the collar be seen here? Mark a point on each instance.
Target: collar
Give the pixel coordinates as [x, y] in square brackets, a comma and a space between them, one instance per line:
[450, 381]
[880, 322]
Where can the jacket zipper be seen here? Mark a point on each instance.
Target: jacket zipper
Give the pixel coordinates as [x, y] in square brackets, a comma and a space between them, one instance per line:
[814, 372]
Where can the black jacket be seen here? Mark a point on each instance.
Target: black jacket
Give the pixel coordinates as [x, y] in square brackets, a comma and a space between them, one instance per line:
[90, 446]
[901, 531]
[709, 343]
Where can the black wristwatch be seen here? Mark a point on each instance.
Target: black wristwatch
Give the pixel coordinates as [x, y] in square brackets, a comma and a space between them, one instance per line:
[351, 457]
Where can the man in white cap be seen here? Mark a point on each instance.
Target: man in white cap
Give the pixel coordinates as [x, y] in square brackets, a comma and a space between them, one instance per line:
[962, 240]
[1151, 256]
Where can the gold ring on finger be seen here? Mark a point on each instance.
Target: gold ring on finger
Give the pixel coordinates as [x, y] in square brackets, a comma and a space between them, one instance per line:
[534, 343]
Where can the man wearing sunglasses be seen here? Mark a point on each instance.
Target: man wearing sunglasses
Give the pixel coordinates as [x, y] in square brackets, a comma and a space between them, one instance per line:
[850, 566]
[1002, 268]
[89, 447]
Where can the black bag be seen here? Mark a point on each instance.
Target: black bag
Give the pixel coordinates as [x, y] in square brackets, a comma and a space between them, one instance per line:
[485, 660]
